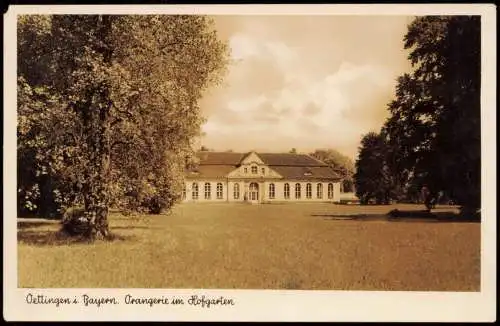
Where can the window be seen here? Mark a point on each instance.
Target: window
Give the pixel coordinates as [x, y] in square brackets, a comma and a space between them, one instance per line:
[194, 192]
[246, 170]
[207, 190]
[297, 191]
[286, 191]
[219, 190]
[184, 192]
[254, 170]
[308, 191]
[271, 191]
[263, 171]
[236, 191]
[330, 190]
[319, 191]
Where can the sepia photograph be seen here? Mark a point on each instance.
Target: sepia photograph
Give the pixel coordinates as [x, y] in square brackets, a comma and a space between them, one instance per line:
[298, 153]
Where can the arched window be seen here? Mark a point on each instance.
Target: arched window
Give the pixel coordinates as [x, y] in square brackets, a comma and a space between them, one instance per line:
[297, 191]
[219, 190]
[319, 191]
[330, 190]
[236, 191]
[271, 191]
[194, 192]
[286, 191]
[308, 191]
[207, 190]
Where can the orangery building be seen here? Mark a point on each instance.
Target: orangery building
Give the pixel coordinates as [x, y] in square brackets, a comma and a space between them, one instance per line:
[260, 178]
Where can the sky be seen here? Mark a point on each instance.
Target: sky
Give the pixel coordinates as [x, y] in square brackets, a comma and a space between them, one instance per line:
[304, 82]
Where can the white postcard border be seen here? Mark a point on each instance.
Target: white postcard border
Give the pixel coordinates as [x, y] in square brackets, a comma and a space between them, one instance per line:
[263, 305]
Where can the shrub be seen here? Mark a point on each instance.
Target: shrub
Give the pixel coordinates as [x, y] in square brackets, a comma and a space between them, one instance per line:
[75, 222]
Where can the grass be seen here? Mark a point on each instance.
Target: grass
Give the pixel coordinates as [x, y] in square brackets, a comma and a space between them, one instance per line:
[238, 246]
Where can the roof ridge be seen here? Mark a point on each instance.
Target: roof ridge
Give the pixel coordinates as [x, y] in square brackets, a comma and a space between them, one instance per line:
[257, 152]
[323, 163]
[269, 158]
[245, 155]
[220, 152]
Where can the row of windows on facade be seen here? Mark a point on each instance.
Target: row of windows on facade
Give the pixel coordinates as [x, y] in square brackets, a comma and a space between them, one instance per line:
[272, 191]
[254, 170]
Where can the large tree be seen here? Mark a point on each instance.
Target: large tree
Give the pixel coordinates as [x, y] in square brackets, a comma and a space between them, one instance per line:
[124, 92]
[373, 179]
[434, 127]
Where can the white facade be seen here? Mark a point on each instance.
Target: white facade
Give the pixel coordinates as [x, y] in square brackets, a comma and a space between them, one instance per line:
[261, 191]
[252, 180]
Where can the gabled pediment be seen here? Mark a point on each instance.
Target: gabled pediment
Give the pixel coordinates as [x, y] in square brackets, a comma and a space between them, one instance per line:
[240, 172]
[250, 158]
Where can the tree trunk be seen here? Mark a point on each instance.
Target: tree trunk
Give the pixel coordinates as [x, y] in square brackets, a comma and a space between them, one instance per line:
[96, 192]
[46, 205]
[97, 125]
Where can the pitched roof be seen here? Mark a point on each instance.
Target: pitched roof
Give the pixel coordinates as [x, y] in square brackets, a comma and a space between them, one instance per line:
[231, 158]
[210, 171]
[289, 159]
[220, 158]
[289, 165]
[306, 173]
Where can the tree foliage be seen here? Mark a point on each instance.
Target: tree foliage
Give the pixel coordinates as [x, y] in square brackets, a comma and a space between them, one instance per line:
[373, 179]
[205, 149]
[340, 163]
[434, 125]
[108, 109]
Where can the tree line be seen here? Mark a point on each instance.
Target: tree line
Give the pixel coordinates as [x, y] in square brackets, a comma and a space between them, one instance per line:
[108, 109]
[432, 137]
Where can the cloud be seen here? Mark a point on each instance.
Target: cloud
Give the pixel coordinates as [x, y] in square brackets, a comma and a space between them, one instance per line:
[295, 83]
[242, 47]
[311, 110]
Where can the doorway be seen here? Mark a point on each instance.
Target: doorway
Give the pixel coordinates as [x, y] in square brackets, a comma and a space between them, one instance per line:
[253, 192]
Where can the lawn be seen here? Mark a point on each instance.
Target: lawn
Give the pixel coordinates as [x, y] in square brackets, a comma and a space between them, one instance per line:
[273, 246]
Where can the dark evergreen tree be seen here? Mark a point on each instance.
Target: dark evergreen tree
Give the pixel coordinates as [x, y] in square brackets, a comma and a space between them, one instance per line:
[434, 131]
[373, 179]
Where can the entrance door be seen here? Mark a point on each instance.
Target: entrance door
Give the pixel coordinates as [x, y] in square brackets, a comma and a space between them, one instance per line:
[253, 192]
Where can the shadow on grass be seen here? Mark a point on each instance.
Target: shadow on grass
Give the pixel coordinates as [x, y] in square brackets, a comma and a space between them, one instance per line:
[404, 216]
[133, 227]
[59, 238]
[29, 224]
